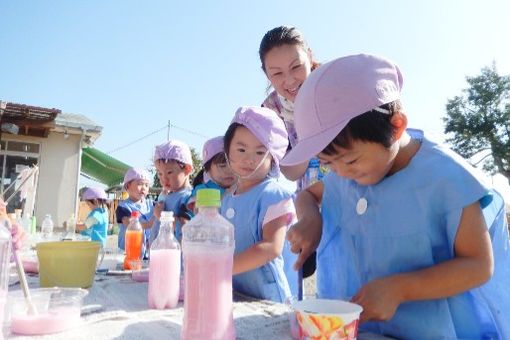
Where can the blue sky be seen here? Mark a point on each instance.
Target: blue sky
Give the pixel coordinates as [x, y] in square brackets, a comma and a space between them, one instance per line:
[132, 66]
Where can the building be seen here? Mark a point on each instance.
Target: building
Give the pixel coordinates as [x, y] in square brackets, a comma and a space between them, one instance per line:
[54, 141]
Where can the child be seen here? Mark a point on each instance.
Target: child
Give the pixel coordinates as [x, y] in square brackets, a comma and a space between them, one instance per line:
[96, 224]
[174, 166]
[136, 184]
[411, 230]
[258, 206]
[215, 172]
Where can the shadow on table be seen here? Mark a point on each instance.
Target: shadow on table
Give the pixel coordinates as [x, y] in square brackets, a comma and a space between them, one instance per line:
[263, 327]
[160, 329]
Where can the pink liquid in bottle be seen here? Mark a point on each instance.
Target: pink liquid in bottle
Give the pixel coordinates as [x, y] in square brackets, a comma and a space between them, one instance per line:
[164, 272]
[208, 295]
[3, 296]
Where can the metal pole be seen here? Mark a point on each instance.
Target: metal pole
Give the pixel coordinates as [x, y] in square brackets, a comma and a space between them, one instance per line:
[168, 131]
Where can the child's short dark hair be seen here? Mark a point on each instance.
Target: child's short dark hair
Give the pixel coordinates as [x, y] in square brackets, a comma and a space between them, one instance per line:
[372, 126]
[179, 163]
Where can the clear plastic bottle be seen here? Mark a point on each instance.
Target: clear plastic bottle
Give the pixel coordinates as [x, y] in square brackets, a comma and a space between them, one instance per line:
[71, 227]
[208, 248]
[164, 266]
[133, 240]
[47, 227]
[5, 258]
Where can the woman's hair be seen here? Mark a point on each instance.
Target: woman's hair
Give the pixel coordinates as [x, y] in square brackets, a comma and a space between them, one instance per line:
[372, 126]
[282, 35]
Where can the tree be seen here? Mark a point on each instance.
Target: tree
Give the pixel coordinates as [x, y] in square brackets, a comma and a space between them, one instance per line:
[479, 121]
[197, 165]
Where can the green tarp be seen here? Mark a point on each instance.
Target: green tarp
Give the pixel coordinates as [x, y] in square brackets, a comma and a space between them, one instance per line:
[102, 168]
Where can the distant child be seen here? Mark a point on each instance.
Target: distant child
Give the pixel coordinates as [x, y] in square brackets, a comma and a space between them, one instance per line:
[136, 184]
[412, 231]
[174, 165]
[258, 206]
[215, 173]
[96, 224]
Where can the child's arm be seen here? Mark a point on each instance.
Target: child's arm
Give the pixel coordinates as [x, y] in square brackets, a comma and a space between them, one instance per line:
[305, 235]
[471, 267]
[271, 246]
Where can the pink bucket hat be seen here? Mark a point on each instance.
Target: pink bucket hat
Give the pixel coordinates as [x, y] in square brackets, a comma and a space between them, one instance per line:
[136, 173]
[269, 129]
[335, 93]
[94, 193]
[173, 150]
[211, 148]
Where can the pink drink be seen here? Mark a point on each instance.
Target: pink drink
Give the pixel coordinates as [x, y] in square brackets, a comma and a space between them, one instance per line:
[164, 272]
[208, 296]
[52, 321]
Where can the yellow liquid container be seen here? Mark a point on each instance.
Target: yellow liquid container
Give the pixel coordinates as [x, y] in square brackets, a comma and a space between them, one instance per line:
[67, 263]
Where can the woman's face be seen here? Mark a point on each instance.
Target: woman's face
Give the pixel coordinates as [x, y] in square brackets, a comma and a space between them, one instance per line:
[287, 67]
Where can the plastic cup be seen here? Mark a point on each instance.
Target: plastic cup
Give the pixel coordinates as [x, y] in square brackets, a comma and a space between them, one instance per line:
[140, 270]
[327, 319]
[58, 309]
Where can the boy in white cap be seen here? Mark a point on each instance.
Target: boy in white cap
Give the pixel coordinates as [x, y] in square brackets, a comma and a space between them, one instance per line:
[258, 206]
[411, 232]
[137, 184]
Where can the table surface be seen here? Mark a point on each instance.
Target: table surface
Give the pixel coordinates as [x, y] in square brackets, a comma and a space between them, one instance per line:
[116, 308]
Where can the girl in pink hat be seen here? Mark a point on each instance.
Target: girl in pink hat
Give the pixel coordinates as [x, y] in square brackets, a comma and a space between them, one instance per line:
[215, 173]
[258, 206]
[96, 224]
[174, 165]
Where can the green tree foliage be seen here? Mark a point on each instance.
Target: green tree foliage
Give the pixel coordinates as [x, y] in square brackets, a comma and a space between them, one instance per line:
[478, 121]
[197, 165]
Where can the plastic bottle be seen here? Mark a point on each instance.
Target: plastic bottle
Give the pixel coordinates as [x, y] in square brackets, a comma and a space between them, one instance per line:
[133, 239]
[71, 226]
[164, 266]
[47, 227]
[5, 257]
[313, 172]
[208, 248]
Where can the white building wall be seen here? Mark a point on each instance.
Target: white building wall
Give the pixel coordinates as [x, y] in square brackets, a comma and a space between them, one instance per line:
[59, 171]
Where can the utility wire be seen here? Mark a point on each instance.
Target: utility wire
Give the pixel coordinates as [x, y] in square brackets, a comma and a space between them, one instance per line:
[154, 132]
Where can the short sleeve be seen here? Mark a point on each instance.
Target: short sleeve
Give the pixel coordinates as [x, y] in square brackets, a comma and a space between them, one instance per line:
[284, 207]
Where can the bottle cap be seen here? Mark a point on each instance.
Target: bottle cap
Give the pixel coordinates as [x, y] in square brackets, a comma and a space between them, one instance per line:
[135, 214]
[167, 216]
[208, 198]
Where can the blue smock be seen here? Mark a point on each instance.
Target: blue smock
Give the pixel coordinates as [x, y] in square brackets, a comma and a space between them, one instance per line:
[97, 225]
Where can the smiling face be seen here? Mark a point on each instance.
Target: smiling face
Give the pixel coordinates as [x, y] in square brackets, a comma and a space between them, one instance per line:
[366, 163]
[287, 67]
[172, 175]
[248, 158]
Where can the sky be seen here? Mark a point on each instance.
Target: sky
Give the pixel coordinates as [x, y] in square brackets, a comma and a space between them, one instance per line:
[134, 67]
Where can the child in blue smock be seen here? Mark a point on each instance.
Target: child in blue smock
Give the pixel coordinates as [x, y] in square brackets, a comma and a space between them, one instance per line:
[215, 173]
[412, 232]
[174, 165]
[96, 224]
[260, 209]
[136, 184]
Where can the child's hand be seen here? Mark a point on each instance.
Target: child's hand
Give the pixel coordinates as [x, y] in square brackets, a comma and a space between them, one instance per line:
[304, 238]
[18, 236]
[158, 208]
[379, 299]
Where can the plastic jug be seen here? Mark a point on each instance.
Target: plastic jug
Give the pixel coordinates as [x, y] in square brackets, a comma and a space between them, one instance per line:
[47, 227]
[133, 239]
[164, 266]
[5, 258]
[71, 226]
[208, 248]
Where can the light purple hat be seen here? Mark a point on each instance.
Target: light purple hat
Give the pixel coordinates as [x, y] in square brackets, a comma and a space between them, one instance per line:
[136, 173]
[269, 129]
[335, 93]
[173, 150]
[211, 148]
[94, 193]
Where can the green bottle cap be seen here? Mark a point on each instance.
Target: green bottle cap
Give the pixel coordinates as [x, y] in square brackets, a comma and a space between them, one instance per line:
[208, 198]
